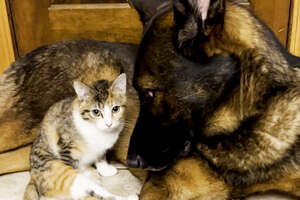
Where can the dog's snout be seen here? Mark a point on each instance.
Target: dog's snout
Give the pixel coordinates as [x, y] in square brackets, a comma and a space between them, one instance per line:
[135, 161]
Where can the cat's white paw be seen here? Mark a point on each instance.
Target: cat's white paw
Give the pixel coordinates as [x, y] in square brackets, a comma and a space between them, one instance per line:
[118, 198]
[105, 169]
[133, 197]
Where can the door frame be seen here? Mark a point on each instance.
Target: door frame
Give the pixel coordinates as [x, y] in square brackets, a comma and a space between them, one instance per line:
[294, 43]
[6, 43]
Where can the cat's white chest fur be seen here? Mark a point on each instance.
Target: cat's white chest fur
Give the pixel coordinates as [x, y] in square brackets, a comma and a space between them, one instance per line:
[97, 141]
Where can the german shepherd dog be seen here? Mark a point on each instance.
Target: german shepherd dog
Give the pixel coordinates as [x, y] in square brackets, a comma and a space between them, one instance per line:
[215, 84]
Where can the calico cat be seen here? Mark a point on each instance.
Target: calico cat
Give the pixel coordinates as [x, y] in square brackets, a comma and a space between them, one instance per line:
[75, 133]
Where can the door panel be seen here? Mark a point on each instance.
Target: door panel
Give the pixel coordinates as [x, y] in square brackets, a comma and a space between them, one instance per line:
[109, 22]
[30, 22]
[39, 22]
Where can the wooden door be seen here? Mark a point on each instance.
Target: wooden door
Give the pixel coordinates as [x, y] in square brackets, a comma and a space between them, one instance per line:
[38, 22]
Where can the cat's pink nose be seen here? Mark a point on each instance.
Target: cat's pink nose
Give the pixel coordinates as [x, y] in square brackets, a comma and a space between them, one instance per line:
[108, 124]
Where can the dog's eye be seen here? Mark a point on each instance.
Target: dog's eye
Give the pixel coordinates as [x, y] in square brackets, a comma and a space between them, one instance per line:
[150, 93]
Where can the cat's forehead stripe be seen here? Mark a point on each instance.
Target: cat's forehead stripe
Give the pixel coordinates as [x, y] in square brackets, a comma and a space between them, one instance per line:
[101, 87]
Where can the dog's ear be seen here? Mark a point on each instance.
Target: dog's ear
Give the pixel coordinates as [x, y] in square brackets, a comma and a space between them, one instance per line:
[195, 20]
[148, 8]
[201, 9]
[198, 8]
[187, 24]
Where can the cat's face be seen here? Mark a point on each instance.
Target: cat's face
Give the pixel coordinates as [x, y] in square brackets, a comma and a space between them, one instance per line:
[103, 104]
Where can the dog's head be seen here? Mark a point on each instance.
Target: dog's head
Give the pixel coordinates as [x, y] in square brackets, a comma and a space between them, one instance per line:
[171, 88]
[165, 128]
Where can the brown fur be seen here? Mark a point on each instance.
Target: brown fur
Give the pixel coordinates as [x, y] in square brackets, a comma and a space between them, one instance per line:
[16, 160]
[189, 178]
[11, 132]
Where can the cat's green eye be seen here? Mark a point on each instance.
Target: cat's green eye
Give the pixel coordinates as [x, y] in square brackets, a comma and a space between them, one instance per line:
[96, 112]
[115, 109]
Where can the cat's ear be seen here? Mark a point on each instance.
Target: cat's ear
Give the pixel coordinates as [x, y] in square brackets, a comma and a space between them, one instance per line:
[119, 85]
[82, 90]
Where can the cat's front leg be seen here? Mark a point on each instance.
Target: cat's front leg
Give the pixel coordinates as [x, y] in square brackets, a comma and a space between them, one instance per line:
[105, 169]
[84, 187]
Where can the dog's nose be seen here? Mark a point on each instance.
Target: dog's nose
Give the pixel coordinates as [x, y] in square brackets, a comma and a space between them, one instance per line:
[135, 161]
